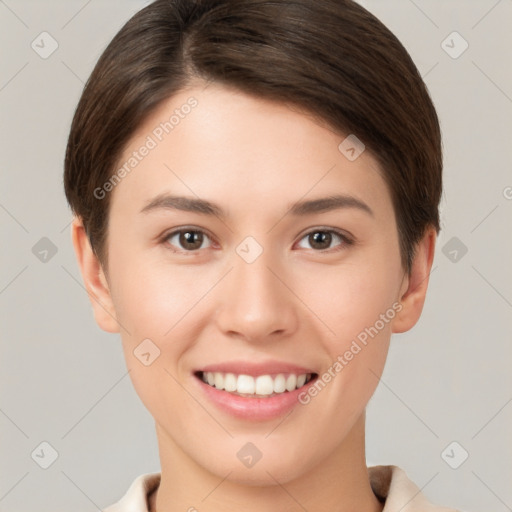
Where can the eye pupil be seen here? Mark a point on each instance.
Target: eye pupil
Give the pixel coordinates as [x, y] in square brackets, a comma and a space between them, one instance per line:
[319, 238]
[191, 237]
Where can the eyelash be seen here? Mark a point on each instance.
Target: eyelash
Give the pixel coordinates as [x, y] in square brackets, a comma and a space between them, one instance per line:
[346, 240]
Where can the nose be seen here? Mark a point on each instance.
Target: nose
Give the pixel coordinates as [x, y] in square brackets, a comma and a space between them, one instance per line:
[258, 304]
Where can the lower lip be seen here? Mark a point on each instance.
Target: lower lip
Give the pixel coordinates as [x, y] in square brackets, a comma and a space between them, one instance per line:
[253, 409]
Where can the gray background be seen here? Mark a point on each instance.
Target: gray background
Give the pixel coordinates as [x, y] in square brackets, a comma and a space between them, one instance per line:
[64, 381]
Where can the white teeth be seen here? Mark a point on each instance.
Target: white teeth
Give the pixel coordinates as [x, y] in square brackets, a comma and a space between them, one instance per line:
[301, 379]
[230, 382]
[280, 384]
[218, 380]
[245, 384]
[263, 385]
[291, 382]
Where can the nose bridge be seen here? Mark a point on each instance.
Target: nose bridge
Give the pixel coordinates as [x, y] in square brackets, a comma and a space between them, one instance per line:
[256, 303]
[256, 276]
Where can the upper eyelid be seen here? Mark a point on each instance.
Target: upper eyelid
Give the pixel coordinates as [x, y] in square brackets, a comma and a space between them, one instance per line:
[338, 231]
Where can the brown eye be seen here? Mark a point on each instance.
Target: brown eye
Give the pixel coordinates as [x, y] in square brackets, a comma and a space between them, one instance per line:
[321, 239]
[187, 240]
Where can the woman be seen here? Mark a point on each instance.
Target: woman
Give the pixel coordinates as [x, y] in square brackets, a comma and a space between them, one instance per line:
[255, 187]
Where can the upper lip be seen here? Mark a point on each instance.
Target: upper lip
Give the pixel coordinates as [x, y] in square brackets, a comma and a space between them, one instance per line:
[254, 369]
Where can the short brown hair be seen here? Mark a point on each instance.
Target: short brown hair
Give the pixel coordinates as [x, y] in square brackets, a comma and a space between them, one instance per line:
[331, 58]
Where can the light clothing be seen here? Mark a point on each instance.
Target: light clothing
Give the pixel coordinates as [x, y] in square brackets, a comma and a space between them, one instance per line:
[389, 483]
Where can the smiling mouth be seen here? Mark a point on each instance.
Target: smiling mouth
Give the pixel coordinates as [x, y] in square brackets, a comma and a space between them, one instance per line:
[262, 386]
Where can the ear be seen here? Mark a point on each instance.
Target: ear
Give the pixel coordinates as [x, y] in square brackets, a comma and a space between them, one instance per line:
[94, 279]
[414, 286]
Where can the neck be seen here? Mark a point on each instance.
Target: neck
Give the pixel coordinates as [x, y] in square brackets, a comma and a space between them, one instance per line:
[338, 483]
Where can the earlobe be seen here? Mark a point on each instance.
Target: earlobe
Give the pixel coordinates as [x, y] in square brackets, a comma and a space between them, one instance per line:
[94, 279]
[414, 287]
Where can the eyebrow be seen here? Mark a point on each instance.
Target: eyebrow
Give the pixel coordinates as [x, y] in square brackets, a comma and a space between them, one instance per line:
[301, 208]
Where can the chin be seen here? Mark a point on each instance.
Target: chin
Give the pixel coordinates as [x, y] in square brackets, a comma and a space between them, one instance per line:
[262, 476]
[280, 466]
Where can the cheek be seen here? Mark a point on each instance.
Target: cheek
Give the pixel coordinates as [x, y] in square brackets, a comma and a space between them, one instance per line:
[349, 299]
[153, 310]
[158, 305]
[151, 298]
[358, 304]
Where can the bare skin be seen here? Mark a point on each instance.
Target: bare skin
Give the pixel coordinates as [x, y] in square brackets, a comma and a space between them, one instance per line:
[296, 302]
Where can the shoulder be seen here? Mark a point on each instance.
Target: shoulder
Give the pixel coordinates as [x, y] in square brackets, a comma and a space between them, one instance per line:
[136, 497]
[389, 483]
[392, 485]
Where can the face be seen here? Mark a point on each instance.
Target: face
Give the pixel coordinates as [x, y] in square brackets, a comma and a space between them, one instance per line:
[254, 285]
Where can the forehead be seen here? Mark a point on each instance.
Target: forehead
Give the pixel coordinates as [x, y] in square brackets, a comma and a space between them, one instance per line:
[217, 142]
